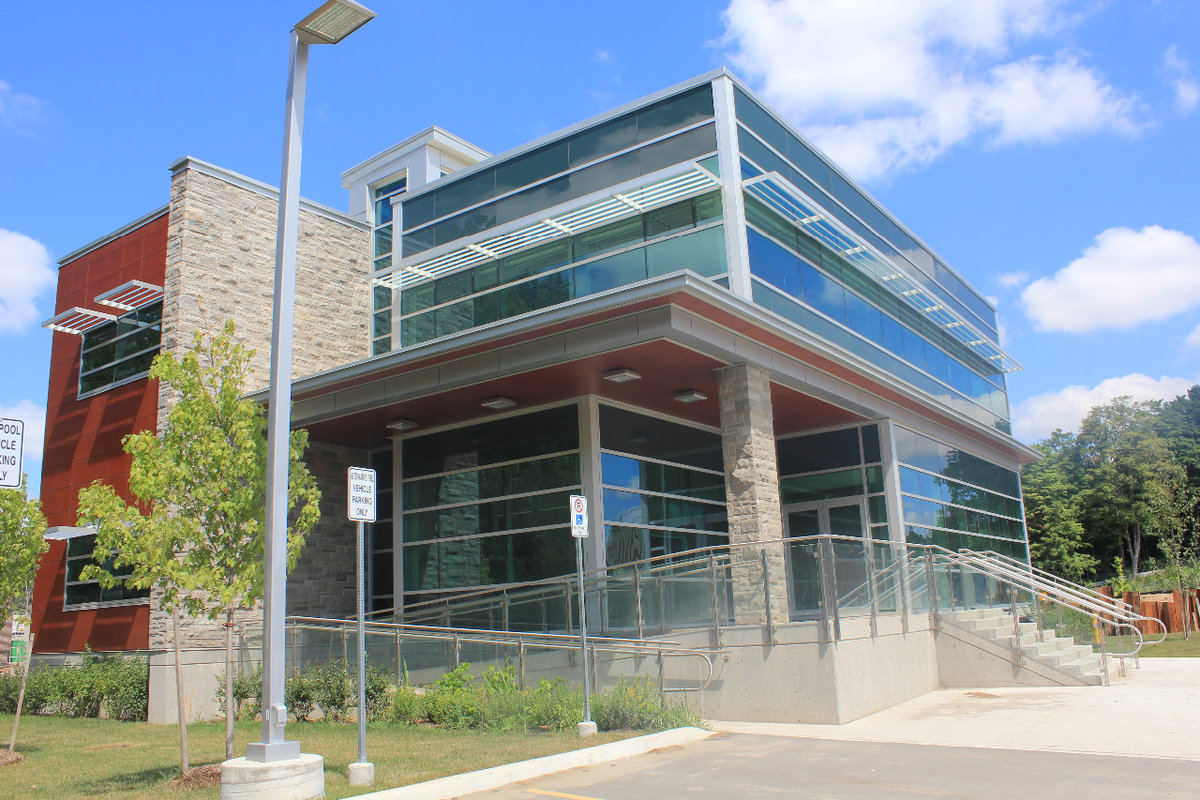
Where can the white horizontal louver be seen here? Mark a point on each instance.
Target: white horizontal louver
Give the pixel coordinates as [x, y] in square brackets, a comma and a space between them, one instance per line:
[634, 201]
[806, 215]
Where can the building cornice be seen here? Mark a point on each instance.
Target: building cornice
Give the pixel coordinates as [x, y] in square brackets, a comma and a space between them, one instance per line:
[387, 161]
[117, 234]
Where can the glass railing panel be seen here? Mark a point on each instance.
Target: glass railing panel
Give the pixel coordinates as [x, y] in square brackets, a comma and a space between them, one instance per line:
[804, 580]
[850, 575]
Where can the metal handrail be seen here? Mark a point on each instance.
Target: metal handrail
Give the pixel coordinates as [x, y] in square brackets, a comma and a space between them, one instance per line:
[1025, 581]
[1051, 577]
[1098, 603]
[545, 641]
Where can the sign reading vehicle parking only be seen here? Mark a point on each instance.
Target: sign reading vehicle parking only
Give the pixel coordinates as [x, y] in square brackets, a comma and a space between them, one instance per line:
[579, 516]
[12, 443]
[360, 494]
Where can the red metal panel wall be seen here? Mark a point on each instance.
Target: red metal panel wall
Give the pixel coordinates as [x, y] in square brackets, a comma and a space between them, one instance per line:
[83, 442]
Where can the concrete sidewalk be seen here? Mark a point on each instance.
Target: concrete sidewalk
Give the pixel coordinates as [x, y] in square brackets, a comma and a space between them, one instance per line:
[1153, 711]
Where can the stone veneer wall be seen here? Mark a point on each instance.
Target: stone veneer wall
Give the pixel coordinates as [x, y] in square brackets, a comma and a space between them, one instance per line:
[322, 583]
[752, 491]
[221, 265]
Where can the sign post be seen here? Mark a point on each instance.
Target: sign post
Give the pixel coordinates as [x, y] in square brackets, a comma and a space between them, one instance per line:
[579, 530]
[360, 508]
[12, 445]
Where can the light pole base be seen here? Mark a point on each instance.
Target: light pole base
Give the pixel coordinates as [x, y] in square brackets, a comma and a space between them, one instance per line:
[585, 729]
[362, 773]
[294, 779]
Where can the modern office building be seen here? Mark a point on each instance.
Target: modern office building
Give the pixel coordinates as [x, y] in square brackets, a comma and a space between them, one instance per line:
[679, 309]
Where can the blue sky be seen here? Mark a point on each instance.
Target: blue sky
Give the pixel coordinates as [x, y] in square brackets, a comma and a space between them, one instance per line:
[1048, 150]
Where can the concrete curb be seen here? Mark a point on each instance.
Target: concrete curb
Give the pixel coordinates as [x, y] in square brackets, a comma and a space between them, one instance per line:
[495, 777]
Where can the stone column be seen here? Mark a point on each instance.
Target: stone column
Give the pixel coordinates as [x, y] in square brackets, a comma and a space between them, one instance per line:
[752, 493]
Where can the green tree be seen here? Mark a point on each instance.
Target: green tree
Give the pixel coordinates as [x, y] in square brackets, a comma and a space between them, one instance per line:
[22, 543]
[1050, 489]
[1179, 424]
[197, 530]
[1124, 460]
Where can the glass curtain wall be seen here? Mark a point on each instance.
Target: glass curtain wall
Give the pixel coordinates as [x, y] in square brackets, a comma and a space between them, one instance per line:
[381, 251]
[774, 148]
[835, 464]
[664, 487]
[380, 544]
[955, 499]
[488, 504]
[683, 235]
[800, 279]
[668, 132]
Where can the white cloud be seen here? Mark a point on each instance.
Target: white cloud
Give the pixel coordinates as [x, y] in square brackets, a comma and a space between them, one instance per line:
[19, 112]
[1126, 278]
[1011, 280]
[1193, 338]
[1036, 417]
[25, 272]
[887, 85]
[1187, 90]
[34, 417]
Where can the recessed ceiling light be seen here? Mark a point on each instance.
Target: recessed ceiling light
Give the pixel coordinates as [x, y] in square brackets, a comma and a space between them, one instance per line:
[690, 396]
[622, 375]
[403, 425]
[498, 403]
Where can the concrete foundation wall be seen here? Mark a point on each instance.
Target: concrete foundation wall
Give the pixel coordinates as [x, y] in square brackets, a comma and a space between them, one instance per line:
[966, 660]
[805, 677]
[203, 668]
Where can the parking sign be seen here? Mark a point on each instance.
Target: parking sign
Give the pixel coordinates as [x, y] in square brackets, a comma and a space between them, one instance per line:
[579, 516]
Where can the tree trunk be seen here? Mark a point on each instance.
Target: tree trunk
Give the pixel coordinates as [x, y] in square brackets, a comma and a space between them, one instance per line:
[1184, 606]
[183, 742]
[229, 684]
[6, 630]
[12, 741]
[1137, 547]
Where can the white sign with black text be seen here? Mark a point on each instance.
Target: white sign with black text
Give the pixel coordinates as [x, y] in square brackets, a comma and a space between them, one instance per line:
[360, 494]
[12, 443]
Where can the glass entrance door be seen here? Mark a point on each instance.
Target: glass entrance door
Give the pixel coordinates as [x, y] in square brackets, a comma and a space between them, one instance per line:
[840, 517]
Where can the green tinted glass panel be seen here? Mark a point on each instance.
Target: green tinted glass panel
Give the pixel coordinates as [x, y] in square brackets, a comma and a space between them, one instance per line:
[807, 488]
[381, 297]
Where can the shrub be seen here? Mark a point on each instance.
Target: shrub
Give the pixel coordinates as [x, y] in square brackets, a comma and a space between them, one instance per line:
[247, 693]
[554, 705]
[299, 696]
[127, 689]
[379, 681]
[503, 704]
[453, 701]
[638, 705]
[406, 705]
[117, 685]
[332, 689]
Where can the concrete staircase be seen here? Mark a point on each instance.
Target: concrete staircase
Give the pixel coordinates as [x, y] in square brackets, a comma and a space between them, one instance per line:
[1043, 651]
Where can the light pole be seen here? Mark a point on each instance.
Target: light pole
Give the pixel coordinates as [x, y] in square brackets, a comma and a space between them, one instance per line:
[329, 24]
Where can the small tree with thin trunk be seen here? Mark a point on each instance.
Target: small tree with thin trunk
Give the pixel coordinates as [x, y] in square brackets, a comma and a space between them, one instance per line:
[22, 543]
[198, 531]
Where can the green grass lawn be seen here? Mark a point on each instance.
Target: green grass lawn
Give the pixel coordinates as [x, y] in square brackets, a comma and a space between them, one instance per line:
[97, 758]
[1173, 647]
